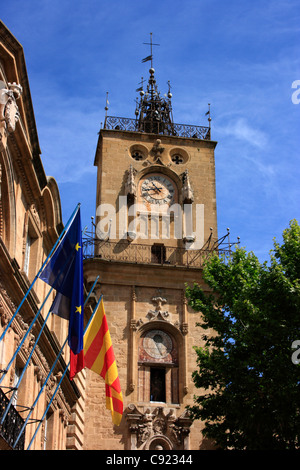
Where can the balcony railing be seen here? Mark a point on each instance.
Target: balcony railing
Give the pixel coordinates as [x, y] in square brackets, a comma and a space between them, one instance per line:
[12, 424]
[179, 130]
[123, 251]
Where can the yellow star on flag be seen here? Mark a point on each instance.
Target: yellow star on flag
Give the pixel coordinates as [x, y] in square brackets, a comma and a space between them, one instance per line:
[77, 246]
[78, 309]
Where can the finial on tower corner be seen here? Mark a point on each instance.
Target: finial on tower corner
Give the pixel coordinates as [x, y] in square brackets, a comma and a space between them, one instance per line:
[169, 91]
[106, 105]
[208, 113]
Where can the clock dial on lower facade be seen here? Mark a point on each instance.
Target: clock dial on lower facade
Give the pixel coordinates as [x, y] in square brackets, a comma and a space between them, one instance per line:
[157, 344]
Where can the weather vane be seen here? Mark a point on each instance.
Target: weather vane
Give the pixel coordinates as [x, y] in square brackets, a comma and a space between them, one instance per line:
[141, 83]
[150, 57]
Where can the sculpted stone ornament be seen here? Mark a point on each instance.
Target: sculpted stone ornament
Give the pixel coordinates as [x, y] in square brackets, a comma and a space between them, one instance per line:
[157, 427]
[130, 185]
[187, 192]
[156, 152]
[9, 111]
[185, 328]
[158, 313]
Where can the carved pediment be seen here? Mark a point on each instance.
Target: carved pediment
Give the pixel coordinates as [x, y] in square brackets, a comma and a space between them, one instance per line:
[158, 427]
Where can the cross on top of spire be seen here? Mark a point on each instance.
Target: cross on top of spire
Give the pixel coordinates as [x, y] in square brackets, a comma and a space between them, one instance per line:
[150, 57]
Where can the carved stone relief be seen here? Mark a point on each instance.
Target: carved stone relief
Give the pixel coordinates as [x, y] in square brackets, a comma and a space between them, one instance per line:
[156, 152]
[157, 428]
[130, 184]
[187, 192]
[9, 111]
[158, 313]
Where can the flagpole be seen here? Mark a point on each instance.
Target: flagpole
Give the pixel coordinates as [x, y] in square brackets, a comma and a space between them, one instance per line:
[49, 374]
[24, 370]
[58, 385]
[27, 332]
[92, 316]
[50, 402]
[42, 267]
[30, 355]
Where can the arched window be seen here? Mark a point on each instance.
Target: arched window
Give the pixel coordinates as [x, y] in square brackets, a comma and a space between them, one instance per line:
[32, 247]
[7, 205]
[158, 367]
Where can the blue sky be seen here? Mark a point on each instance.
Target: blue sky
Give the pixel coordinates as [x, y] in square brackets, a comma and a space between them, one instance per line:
[242, 57]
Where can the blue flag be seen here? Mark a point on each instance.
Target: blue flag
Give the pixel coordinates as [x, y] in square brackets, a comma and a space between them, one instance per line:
[64, 272]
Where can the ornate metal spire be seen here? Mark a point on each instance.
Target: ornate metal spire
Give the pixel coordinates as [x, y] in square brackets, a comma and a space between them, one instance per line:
[154, 112]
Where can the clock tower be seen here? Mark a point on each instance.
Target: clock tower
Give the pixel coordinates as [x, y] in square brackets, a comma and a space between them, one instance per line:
[155, 223]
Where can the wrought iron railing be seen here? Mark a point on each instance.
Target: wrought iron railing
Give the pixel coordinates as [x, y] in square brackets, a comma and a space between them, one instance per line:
[124, 251]
[134, 125]
[12, 424]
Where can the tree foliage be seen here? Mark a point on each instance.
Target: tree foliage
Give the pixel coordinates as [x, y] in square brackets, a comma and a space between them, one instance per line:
[249, 386]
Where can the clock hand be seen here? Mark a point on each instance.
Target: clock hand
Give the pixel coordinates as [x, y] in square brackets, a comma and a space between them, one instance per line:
[151, 189]
[156, 187]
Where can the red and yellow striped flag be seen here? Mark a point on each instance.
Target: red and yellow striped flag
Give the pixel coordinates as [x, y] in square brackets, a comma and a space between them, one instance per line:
[99, 357]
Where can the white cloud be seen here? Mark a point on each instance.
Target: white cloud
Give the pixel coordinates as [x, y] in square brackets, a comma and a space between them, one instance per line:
[241, 130]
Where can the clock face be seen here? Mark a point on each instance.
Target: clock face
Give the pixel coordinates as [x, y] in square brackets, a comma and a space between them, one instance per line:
[157, 344]
[157, 189]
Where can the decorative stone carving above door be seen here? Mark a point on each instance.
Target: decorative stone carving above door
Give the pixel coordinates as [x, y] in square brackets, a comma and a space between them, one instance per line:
[158, 428]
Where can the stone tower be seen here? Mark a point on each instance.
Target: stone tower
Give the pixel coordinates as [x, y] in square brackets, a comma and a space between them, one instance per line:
[155, 223]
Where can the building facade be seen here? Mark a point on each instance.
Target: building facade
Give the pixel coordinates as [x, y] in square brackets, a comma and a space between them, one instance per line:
[30, 223]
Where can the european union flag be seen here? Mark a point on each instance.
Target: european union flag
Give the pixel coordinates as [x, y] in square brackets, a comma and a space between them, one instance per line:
[64, 272]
